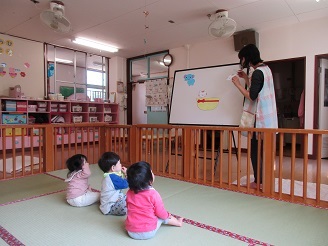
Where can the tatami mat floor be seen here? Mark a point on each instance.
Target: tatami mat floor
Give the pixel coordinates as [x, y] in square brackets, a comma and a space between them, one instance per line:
[33, 211]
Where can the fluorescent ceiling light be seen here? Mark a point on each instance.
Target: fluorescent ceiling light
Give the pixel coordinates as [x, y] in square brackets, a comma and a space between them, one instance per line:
[94, 44]
[63, 61]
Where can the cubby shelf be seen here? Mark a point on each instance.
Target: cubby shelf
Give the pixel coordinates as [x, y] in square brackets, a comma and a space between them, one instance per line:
[30, 111]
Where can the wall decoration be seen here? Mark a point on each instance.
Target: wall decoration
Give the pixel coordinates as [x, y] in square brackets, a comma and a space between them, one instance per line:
[21, 54]
[12, 72]
[120, 87]
[2, 72]
[9, 52]
[156, 93]
[51, 70]
[9, 43]
[112, 97]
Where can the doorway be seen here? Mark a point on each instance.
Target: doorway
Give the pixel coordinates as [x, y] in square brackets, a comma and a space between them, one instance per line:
[145, 105]
[289, 82]
[321, 102]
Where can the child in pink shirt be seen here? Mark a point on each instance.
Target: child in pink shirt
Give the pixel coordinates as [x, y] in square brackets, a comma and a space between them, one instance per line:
[79, 193]
[145, 208]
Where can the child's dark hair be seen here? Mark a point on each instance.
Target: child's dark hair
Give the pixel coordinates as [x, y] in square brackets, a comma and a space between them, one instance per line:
[75, 162]
[107, 160]
[139, 176]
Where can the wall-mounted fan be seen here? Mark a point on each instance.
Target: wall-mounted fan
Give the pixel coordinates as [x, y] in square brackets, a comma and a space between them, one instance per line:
[54, 17]
[222, 26]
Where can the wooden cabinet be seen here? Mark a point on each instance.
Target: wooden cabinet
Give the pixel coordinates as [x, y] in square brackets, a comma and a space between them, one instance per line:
[28, 111]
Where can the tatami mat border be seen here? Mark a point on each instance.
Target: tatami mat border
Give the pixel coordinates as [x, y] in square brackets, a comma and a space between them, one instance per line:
[248, 240]
[9, 238]
[32, 197]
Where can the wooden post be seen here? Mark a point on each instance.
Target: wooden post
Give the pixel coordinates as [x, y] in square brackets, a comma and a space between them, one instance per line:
[134, 144]
[268, 163]
[188, 151]
[48, 150]
[103, 139]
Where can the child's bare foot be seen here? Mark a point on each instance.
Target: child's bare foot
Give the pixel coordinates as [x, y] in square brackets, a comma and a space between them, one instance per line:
[175, 221]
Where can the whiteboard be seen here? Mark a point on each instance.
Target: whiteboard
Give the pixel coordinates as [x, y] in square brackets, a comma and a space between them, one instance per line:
[205, 96]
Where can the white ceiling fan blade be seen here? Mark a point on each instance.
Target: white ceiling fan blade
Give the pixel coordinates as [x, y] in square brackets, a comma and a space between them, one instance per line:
[64, 21]
[217, 32]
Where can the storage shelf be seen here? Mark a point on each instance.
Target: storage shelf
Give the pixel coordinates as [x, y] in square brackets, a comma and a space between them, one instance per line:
[90, 111]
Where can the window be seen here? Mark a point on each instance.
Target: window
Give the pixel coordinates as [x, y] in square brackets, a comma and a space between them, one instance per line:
[96, 87]
[75, 74]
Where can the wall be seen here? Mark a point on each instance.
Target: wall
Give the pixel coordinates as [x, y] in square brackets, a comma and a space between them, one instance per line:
[305, 39]
[26, 64]
[117, 72]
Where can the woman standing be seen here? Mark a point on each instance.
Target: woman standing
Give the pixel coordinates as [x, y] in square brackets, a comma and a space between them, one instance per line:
[261, 93]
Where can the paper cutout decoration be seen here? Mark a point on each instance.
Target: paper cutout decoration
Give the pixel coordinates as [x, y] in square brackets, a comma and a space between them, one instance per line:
[9, 52]
[12, 72]
[10, 43]
[22, 74]
[51, 70]
[190, 78]
[27, 65]
[3, 73]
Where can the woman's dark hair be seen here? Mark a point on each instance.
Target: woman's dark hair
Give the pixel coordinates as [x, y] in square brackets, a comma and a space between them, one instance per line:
[251, 54]
[107, 160]
[139, 176]
[75, 162]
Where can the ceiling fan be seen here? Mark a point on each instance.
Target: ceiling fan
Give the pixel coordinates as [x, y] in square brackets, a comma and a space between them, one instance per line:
[222, 26]
[54, 17]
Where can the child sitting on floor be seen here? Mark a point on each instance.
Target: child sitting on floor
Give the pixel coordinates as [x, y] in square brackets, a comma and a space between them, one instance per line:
[79, 193]
[146, 210]
[112, 199]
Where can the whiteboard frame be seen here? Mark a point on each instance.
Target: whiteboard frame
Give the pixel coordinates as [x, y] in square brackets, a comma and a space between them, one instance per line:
[186, 108]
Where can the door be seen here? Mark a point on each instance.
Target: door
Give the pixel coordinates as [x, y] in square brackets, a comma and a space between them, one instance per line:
[323, 103]
[139, 109]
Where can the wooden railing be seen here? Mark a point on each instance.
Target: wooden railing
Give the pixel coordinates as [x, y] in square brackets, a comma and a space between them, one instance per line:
[213, 156]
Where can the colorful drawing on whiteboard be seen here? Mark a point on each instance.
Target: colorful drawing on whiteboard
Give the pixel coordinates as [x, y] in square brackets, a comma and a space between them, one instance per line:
[206, 103]
[190, 78]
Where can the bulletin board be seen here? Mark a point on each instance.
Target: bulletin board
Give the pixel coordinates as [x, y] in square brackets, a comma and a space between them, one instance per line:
[21, 63]
[66, 91]
[156, 92]
[206, 96]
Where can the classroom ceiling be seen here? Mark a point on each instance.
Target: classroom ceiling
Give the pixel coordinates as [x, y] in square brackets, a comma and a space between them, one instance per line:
[122, 22]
